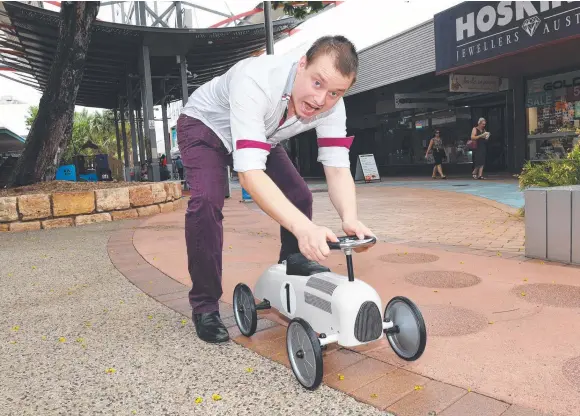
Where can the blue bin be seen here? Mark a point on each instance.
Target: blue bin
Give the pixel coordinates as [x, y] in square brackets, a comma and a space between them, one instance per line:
[66, 173]
[246, 196]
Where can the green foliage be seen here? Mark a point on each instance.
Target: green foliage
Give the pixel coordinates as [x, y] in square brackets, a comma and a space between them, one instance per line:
[553, 172]
[99, 128]
[299, 9]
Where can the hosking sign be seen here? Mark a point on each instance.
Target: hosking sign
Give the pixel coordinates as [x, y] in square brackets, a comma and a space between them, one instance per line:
[474, 31]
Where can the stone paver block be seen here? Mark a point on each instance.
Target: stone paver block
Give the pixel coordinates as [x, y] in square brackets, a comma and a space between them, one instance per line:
[34, 207]
[112, 199]
[339, 360]
[433, 397]
[177, 190]
[72, 203]
[169, 191]
[8, 210]
[57, 223]
[389, 388]
[474, 404]
[516, 410]
[91, 219]
[159, 194]
[150, 210]
[4, 227]
[124, 215]
[25, 226]
[141, 195]
[359, 374]
[167, 207]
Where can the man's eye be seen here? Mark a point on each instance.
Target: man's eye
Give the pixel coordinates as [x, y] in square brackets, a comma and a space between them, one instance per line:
[334, 94]
[317, 83]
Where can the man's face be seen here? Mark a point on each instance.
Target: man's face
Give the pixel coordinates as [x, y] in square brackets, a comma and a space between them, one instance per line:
[318, 86]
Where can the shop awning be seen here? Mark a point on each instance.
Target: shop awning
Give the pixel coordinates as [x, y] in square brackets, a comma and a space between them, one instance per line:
[31, 36]
[10, 142]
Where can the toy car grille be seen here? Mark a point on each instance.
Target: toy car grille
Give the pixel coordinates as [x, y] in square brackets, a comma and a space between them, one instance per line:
[321, 284]
[317, 302]
[369, 323]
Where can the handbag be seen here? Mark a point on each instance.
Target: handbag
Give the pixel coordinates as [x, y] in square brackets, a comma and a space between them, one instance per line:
[471, 144]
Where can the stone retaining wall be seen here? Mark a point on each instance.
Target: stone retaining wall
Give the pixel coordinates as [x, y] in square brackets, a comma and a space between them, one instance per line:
[68, 209]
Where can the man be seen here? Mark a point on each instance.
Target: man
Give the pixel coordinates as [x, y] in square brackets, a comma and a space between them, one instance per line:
[245, 114]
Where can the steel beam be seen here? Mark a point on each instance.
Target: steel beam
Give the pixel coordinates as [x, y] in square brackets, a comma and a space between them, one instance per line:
[269, 28]
[141, 141]
[166, 135]
[124, 134]
[181, 59]
[117, 135]
[131, 104]
[148, 114]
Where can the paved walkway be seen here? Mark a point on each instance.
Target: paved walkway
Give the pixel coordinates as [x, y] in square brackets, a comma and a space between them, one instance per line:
[501, 332]
[499, 189]
[78, 338]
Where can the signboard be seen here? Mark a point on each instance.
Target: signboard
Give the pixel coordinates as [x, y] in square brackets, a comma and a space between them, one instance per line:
[421, 100]
[366, 169]
[541, 92]
[473, 83]
[474, 31]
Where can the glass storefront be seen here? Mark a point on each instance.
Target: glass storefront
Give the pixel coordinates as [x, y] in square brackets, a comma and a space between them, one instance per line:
[405, 137]
[553, 115]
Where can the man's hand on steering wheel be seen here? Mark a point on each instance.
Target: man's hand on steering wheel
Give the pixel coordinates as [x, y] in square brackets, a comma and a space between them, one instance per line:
[355, 227]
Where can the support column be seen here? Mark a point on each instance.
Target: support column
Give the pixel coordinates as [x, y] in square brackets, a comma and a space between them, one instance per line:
[181, 58]
[166, 135]
[142, 158]
[117, 135]
[124, 135]
[131, 104]
[269, 28]
[520, 148]
[148, 115]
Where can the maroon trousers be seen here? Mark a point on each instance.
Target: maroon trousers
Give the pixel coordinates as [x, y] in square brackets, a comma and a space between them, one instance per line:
[205, 159]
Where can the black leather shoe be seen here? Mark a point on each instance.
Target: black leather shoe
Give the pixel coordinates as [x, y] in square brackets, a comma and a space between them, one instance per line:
[210, 328]
[298, 265]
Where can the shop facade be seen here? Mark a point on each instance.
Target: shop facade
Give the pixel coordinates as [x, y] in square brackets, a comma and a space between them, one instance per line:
[514, 63]
[534, 45]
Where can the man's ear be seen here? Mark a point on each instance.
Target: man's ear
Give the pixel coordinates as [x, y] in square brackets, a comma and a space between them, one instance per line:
[302, 62]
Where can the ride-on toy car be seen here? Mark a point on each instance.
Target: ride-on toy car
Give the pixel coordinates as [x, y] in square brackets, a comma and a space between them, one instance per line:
[337, 308]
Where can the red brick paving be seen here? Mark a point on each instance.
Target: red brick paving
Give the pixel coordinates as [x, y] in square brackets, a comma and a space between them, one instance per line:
[511, 361]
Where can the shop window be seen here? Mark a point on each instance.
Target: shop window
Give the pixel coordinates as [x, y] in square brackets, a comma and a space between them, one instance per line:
[553, 115]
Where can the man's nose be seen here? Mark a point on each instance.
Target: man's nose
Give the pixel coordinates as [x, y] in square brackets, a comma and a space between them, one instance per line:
[320, 99]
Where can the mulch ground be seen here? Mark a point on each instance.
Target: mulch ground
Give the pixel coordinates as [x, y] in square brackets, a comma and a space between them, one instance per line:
[65, 186]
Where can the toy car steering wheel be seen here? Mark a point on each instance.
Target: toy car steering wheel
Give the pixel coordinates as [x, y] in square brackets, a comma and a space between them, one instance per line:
[351, 242]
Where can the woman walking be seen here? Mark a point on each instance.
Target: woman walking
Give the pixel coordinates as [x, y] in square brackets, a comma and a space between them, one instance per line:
[436, 144]
[479, 136]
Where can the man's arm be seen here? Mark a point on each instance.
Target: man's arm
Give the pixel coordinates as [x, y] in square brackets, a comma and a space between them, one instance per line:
[248, 107]
[333, 153]
[342, 193]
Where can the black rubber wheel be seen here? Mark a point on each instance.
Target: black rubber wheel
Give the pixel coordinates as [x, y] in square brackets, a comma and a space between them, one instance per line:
[245, 310]
[304, 353]
[408, 337]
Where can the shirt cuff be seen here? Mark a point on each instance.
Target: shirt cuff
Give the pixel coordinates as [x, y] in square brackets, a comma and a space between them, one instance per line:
[250, 157]
[334, 151]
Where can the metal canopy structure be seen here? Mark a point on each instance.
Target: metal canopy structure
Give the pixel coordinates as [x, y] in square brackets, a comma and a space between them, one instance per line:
[130, 69]
[114, 56]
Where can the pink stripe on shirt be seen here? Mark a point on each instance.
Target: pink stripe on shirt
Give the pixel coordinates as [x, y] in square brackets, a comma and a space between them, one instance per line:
[335, 142]
[252, 144]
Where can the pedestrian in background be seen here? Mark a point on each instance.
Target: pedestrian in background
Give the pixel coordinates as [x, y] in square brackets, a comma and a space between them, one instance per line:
[436, 144]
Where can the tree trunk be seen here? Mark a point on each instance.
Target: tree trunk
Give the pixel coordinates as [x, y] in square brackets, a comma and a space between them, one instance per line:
[52, 128]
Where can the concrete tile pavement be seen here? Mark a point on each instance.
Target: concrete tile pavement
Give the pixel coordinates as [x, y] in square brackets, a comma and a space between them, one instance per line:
[483, 350]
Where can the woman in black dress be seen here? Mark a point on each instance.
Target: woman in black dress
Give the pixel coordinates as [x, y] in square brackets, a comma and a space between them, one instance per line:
[479, 135]
[436, 144]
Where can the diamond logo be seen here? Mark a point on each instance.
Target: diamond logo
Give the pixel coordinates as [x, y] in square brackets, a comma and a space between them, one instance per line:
[531, 24]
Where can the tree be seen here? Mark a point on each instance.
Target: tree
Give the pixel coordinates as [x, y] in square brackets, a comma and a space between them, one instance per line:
[97, 127]
[299, 9]
[52, 127]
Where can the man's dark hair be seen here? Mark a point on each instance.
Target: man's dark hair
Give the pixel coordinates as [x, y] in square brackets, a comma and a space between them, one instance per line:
[346, 57]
